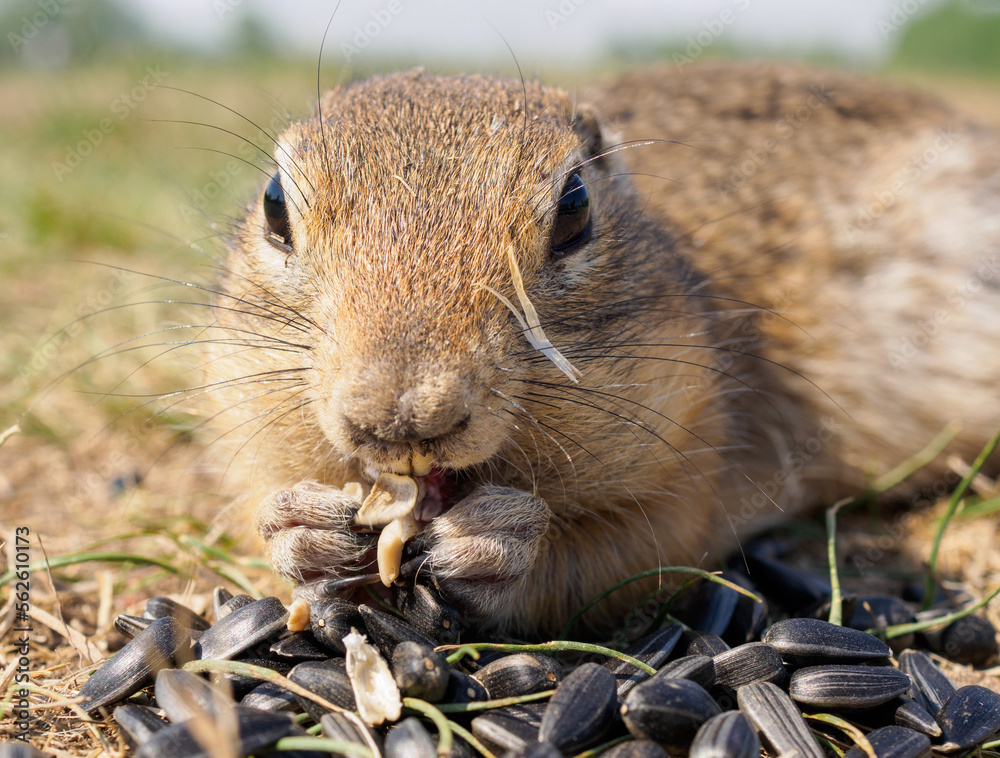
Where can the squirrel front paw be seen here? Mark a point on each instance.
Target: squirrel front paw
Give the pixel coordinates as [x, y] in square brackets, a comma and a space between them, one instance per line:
[307, 532]
[482, 550]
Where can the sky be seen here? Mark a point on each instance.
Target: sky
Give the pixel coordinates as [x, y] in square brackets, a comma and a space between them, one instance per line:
[559, 32]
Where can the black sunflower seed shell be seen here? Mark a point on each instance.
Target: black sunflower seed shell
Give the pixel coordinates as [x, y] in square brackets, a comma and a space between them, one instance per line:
[160, 645]
[636, 749]
[752, 662]
[700, 669]
[268, 696]
[336, 726]
[805, 641]
[699, 643]
[429, 613]
[462, 688]
[138, 722]
[667, 711]
[778, 720]
[130, 626]
[420, 671]
[331, 619]
[220, 596]
[256, 730]
[653, 650]
[845, 686]
[581, 710]
[793, 590]
[932, 684]
[242, 629]
[329, 680]
[510, 728]
[913, 716]
[385, 631]
[183, 695]
[409, 739]
[160, 606]
[519, 674]
[234, 603]
[894, 742]
[726, 735]
[971, 715]
[970, 639]
[301, 646]
[536, 750]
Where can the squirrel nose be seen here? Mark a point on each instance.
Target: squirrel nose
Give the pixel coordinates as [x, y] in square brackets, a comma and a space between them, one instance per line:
[421, 415]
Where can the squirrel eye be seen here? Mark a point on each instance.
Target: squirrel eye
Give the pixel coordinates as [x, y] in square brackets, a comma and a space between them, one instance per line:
[276, 210]
[572, 225]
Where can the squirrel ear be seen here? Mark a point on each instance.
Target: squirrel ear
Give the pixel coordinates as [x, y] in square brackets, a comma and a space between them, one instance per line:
[588, 126]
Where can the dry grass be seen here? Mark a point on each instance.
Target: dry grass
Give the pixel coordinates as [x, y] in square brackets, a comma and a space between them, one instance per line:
[86, 473]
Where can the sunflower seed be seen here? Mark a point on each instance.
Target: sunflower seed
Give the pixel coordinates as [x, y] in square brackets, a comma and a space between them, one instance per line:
[462, 688]
[930, 682]
[653, 650]
[509, 728]
[778, 719]
[699, 643]
[331, 619]
[636, 749]
[269, 697]
[894, 742]
[752, 662]
[970, 639]
[130, 626]
[183, 695]
[969, 716]
[805, 642]
[256, 730]
[793, 590]
[138, 722]
[667, 711]
[234, 603]
[581, 710]
[300, 646]
[329, 680]
[700, 669]
[842, 686]
[519, 674]
[385, 630]
[429, 613]
[242, 629]
[20, 750]
[158, 607]
[158, 646]
[409, 739]
[726, 735]
[336, 726]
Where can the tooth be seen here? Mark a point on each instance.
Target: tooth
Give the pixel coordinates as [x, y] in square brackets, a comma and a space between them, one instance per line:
[421, 464]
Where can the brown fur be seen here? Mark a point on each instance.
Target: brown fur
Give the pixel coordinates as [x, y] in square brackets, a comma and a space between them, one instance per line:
[733, 316]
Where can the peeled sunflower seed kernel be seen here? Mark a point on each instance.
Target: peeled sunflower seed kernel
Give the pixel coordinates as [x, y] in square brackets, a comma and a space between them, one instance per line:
[242, 629]
[805, 641]
[519, 674]
[844, 686]
[894, 742]
[668, 711]
[581, 710]
[158, 646]
[726, 735]
[971, 715]
[778, 719]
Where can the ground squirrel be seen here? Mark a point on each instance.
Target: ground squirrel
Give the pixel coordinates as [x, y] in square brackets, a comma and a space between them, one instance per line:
[744, 289]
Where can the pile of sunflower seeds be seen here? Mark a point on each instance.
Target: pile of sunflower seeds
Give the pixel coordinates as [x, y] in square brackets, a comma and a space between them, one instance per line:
[730, 681]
